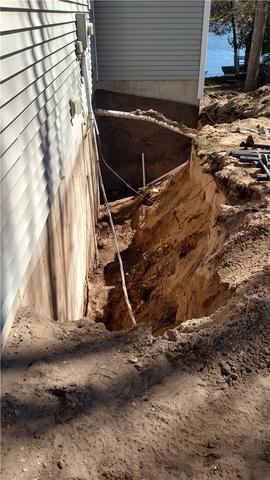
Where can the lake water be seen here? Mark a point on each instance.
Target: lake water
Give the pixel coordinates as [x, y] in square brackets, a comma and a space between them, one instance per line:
[219, 53]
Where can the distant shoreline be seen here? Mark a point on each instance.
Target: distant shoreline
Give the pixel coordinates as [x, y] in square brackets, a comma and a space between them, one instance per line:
[219, 53]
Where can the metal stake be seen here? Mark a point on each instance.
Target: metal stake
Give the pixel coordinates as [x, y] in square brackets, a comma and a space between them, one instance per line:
[143, 170]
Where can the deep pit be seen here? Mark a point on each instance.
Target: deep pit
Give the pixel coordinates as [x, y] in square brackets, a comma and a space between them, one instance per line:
[123, 142]
[169, 240]
[161, 249]
[178, 236]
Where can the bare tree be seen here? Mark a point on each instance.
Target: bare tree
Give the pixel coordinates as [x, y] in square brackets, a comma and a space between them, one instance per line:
[256, 44]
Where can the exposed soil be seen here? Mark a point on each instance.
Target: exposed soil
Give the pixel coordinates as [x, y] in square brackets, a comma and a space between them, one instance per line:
[198, 238]
[221, 106]
[185, 395]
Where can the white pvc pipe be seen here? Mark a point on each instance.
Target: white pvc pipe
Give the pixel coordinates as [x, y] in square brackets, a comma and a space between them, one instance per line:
[145, 117]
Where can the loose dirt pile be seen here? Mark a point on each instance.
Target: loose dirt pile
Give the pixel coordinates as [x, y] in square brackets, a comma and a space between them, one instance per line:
[185, 394]
[228, 106]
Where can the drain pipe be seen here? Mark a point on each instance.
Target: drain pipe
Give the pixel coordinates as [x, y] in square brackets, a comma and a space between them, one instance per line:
[150, 116]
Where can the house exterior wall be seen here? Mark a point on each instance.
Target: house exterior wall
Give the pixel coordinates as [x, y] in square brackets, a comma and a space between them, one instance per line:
[41, 147]
[151, 46]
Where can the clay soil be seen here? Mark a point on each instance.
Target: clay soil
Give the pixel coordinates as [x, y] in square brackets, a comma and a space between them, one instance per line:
[184, 395]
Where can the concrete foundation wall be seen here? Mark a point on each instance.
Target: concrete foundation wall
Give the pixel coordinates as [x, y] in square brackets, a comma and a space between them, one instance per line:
[55, 281]
[182, 91]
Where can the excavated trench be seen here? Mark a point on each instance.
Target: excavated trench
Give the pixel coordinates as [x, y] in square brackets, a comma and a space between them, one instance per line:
[192, 240]
[195, 250]
[124, 141]
[170, 241]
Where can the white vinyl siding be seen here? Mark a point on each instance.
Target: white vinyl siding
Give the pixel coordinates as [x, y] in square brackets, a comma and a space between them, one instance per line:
[40, 74]
[149, 40]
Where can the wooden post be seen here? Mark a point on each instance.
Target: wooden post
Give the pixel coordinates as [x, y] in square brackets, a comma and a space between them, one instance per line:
[256, 44]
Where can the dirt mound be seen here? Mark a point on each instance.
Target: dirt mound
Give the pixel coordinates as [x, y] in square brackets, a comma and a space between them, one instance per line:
[226, 107]
[185, 394]
[202, 235]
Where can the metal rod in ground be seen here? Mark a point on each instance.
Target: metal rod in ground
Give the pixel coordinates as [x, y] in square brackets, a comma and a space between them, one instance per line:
[130, 311]
[143, 170]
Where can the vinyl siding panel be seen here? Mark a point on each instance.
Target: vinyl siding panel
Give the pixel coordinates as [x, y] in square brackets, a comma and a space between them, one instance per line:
[32, 39]
[40, 74]
[37, 76]
[26, 59]
[147, 40]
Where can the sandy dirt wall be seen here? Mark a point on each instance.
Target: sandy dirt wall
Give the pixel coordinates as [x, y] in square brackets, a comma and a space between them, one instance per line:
[54, 283]
[198, 236]
[169, 278]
